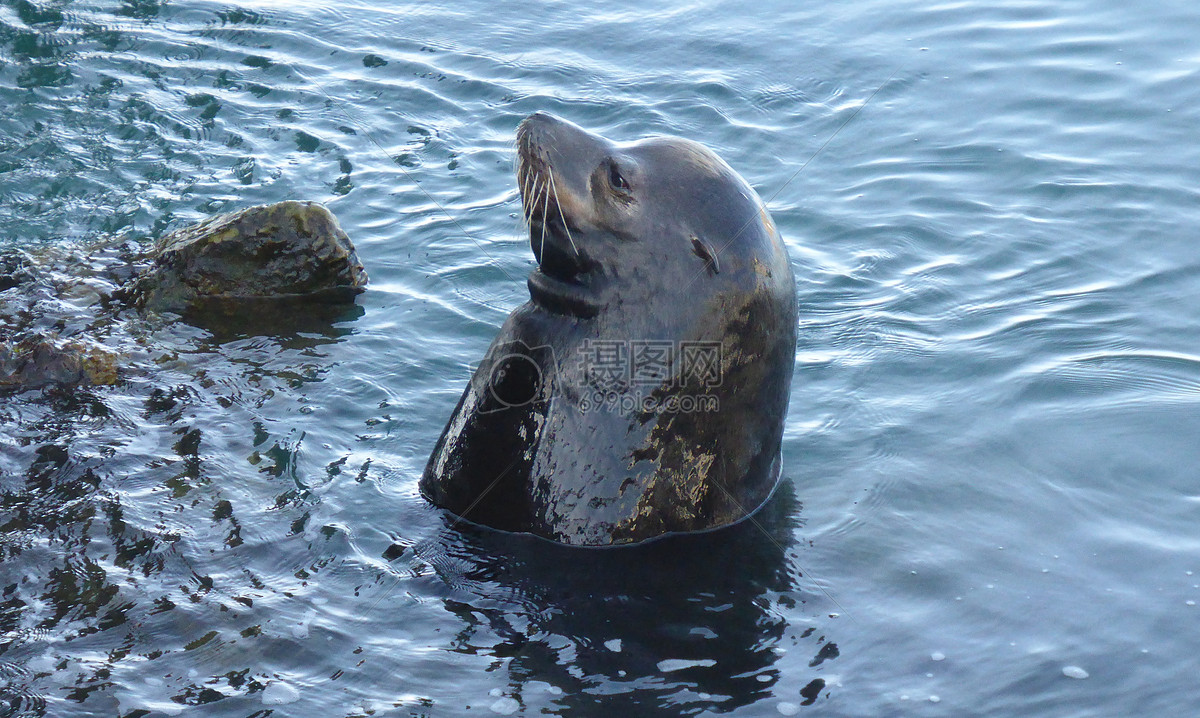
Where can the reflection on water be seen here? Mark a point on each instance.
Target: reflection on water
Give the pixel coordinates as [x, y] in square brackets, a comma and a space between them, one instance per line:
[676, 626]
[307, 322]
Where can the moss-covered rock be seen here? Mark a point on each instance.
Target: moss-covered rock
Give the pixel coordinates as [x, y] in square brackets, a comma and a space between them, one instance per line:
[287, 249]
[36, 361]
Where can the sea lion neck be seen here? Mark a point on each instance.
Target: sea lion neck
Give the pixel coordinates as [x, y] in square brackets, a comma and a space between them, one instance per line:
[563, 297]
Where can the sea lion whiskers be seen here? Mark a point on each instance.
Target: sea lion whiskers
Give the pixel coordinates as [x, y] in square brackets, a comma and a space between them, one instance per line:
[530, 198]
[541, 186]
[538, 183]
[558, 206]
[525, 211]
[522, 191]
[545, 211]
[528, 175]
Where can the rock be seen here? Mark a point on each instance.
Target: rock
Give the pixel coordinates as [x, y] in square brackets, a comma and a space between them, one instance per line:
[14, 271]
[282, 250]
[37, 361]
[62, 318]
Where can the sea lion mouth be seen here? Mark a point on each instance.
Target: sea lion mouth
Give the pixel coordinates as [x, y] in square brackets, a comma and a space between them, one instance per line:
[565, 277]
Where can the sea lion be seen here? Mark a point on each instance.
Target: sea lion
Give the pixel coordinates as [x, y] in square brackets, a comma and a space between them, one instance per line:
[642, 389]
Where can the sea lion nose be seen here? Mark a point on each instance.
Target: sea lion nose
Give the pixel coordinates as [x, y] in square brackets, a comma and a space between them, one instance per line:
[554, 127]
[538, 129]
[543, 117]
[576, 146]
[541, 126]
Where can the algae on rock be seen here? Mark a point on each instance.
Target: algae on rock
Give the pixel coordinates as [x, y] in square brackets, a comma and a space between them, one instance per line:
[287, 249]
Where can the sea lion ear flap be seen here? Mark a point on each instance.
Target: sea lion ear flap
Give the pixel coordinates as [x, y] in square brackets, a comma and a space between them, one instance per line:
[704, 251]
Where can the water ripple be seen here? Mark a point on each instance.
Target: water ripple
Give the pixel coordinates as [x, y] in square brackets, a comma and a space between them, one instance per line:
[997, 349]
[1119, 378]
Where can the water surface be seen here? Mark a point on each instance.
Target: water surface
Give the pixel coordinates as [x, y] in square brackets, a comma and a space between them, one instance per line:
[990, 455]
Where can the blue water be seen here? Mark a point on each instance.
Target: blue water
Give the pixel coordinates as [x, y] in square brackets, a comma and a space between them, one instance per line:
[991, 453]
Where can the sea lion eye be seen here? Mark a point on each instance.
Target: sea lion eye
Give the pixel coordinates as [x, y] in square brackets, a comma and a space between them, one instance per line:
[702, 250]
[615, 178]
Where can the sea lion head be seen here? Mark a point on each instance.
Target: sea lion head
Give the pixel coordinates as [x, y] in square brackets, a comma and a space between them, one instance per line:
[652, 218]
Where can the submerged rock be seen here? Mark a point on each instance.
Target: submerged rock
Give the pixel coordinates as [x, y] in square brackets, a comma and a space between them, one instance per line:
[38, 361]
[283, 250]
[14, 271]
